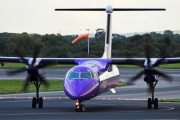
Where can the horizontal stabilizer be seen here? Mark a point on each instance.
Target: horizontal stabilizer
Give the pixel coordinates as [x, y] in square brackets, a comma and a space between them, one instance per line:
[114, 9]
[81, 9]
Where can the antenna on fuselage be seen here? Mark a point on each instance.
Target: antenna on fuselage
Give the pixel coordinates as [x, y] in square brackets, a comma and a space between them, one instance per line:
[109, 9]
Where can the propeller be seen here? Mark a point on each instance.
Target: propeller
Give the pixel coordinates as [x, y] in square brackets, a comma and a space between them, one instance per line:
[31, 68]
[149, 70]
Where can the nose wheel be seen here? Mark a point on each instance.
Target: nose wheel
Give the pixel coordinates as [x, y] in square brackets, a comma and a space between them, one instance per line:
[152, 101]
[79, 107]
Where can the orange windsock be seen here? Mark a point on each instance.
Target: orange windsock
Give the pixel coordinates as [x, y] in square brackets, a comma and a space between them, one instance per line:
[79, 38]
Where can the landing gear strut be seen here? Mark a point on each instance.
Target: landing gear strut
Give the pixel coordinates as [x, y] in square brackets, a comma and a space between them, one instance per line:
[152, 100]
[79, 107]
[37, 100]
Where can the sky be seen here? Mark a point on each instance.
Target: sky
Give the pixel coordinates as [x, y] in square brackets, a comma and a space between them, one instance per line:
[39, 16]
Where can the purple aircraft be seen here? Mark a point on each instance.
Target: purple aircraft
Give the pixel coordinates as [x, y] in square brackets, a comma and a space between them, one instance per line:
[91, 76]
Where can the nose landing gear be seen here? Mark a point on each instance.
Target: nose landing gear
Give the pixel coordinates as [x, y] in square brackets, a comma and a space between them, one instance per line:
[79, 107]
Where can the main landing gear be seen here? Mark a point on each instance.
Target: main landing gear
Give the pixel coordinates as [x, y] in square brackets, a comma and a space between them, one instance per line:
[37, 100]
[152, 100]
[79, 107]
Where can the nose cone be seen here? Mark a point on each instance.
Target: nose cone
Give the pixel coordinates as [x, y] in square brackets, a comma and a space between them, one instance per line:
[81, 89]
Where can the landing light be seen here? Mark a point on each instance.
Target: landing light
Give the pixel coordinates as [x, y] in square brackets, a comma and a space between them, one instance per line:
[77, 103]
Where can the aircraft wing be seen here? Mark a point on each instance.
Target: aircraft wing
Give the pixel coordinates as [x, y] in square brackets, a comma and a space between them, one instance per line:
[171, 60]
[75, 60]
[41, 60]
[118, 61]
[141, 61]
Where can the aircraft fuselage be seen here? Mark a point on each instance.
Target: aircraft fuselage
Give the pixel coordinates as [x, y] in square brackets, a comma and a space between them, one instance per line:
[89, 79]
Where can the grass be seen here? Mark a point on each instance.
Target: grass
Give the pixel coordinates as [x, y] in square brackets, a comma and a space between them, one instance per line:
[170, 100]
[121, 84]
[170, 66]
[20, 65]
[164, 66]
[15, 86]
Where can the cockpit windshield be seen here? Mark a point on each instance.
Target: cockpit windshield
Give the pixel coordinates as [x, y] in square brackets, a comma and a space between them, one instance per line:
[85, 75]
[74, 75]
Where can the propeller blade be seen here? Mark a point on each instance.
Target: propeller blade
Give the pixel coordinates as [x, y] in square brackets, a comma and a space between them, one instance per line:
[147, 51]
[15, 71]
[158, 62]
[163, 75]
[42, 79]
[20, 55]
[25, 86]
[137, 76]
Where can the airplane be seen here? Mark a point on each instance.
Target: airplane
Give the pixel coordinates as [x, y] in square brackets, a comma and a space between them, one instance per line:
[91, 76]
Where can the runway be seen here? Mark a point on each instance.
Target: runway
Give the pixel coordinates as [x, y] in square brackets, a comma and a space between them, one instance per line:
[96, 109]
[128, 102]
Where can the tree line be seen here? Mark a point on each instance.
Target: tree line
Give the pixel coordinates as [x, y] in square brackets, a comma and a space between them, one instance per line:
[56, 45]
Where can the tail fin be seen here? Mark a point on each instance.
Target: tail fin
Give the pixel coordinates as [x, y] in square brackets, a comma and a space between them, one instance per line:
[109, 9]
[105, 54]
[108, 35]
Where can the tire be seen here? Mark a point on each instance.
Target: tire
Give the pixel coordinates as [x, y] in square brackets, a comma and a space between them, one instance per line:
[40, 101]
[149, 103]
[82, 108]
[76, 109]
[156, 103]
[34, 101]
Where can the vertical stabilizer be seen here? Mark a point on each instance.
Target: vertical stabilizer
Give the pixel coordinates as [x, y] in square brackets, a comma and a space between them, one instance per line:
[109, 10]
[108, 35]
[105, 54]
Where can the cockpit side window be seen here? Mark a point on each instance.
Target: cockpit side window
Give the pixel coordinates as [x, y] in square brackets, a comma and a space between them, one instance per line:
[95, 76]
